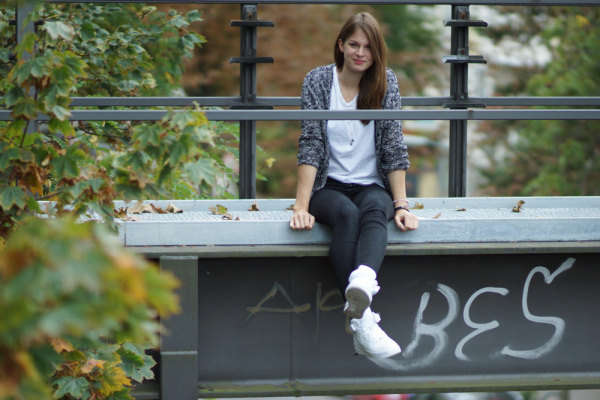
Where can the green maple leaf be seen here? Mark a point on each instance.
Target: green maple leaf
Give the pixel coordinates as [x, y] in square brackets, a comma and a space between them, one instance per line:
[67, 385]
[57, 29]
[12, 196]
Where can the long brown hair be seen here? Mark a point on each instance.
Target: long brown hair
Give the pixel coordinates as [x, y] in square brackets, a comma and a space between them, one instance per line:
[373, 84]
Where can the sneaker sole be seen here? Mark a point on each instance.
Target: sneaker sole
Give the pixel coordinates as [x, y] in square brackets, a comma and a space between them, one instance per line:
[358, 302]
[383, 354]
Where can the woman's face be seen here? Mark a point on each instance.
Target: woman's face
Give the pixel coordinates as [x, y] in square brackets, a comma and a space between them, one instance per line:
[357, 52]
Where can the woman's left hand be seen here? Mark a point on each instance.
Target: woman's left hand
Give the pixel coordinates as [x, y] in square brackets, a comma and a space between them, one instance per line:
[405, 221]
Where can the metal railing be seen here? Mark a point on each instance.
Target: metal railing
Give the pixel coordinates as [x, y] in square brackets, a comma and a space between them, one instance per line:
[248, 108]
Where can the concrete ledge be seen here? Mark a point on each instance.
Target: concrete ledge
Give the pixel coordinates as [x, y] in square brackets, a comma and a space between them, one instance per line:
[443, 220]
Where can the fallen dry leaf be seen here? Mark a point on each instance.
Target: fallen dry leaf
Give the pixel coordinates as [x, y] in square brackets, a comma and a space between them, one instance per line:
[460, 209]
[218, 209]
[417, 206]
[120, 212]
[290, 208]
[253, 207]
[437, 215]
[172, 208]
[227, 216]
[518, 207]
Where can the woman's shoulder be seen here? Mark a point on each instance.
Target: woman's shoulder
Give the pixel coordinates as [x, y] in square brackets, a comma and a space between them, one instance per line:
[391, 75]
[322, 73]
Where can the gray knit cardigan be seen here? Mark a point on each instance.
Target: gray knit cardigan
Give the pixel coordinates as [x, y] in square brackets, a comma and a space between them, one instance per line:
[313, 150]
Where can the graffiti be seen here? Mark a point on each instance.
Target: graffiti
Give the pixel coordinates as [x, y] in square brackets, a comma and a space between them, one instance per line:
[437, 333]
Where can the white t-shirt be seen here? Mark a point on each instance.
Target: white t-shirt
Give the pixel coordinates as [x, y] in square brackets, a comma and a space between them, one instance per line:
[352, 144]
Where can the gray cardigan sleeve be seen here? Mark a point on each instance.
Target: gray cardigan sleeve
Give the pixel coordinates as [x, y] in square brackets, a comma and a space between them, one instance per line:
[391, 151]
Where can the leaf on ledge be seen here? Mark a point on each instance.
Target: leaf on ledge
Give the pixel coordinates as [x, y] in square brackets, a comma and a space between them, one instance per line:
[460, 209]
[518, 207]
[437, 215]
[218, 209]
[172, 208]
[254, 207]
[417, 206]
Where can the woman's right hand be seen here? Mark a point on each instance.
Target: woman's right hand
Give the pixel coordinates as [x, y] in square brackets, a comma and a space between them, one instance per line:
[301, 219]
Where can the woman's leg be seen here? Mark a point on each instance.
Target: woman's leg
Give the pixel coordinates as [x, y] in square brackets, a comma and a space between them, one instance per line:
[334, 209]
[375, 211]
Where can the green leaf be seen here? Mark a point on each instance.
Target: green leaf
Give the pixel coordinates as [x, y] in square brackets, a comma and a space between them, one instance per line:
[147, 134]
[7, 156]
[87, 31]
[61, 113]
[58, 29]
[13, 196]
[177, 152]
[136, 364]
[194, 15]
[27, 45]
[199, 171]
[27, 108]
[68, 385]
[13, 96]
[23, 72]
[65, 166]
[39, 66]
[63, 127]
[76, 65]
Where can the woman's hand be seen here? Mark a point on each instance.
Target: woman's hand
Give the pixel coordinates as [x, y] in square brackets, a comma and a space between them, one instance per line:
[301, 219]
[405, 221]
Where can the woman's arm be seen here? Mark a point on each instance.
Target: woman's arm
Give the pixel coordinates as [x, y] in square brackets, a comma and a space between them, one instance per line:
[301, 219]
[404, 220]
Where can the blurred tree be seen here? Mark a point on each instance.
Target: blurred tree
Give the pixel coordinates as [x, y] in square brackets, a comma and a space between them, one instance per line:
[78, 310]
[547, 158]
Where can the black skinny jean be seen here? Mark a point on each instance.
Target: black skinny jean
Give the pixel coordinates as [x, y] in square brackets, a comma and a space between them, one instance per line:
[358, 216]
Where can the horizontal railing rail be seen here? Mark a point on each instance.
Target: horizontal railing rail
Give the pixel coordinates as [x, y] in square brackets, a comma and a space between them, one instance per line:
[295, 101]
[296, 115]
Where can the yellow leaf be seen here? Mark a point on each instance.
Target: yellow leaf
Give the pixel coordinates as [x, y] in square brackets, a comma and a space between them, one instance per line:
[91, 364]
[60, 345]
[417, 206]
[218, 210]
[269, 162]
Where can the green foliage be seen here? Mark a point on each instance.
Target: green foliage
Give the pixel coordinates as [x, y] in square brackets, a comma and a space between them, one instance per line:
[71, 296]
[78, 310]
[550, 158]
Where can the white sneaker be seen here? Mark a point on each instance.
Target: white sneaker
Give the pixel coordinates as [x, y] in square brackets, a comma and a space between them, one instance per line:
[369, 339]
[360, 290]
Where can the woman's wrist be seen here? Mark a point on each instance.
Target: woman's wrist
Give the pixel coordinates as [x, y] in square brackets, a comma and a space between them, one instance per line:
[405, 208]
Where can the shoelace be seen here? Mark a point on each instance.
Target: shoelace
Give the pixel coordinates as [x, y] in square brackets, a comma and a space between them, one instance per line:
[372, 331]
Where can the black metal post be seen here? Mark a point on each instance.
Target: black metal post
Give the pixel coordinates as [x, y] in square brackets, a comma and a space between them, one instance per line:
[459, 92]
[247, 184]
[457, 183]
[248, 93]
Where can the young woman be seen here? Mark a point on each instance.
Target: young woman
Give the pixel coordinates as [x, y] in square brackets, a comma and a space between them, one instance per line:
[351, 174]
